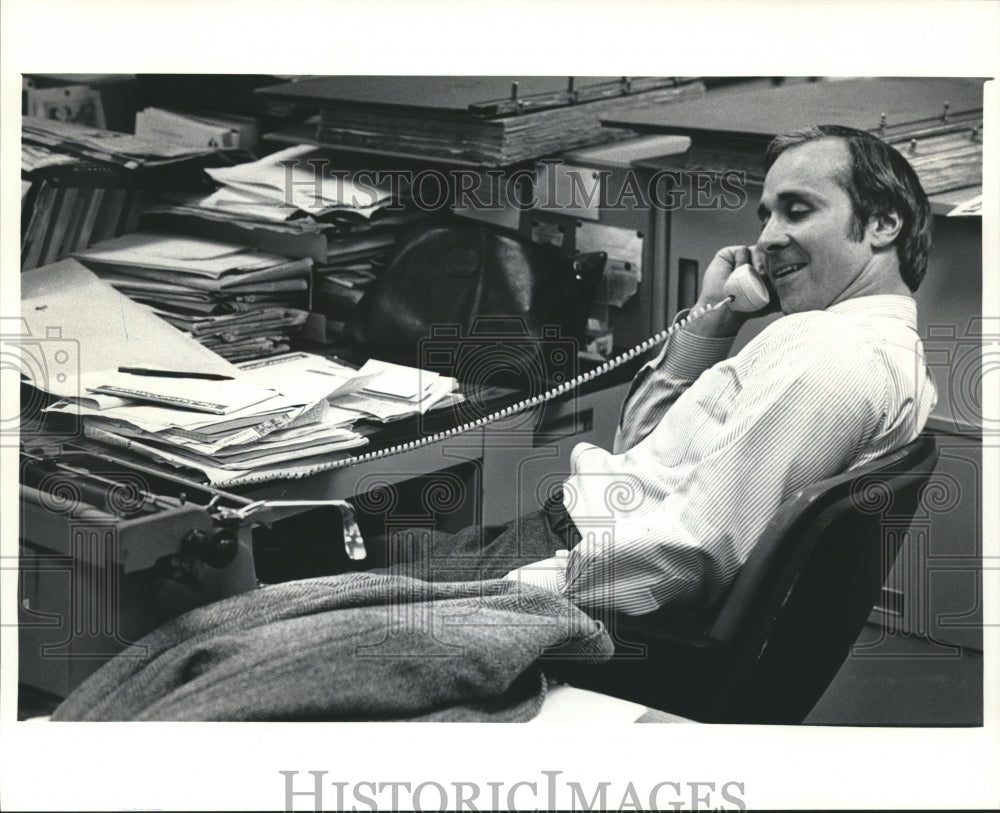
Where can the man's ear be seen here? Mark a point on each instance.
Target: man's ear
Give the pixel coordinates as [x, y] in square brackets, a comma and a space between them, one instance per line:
[884, 229]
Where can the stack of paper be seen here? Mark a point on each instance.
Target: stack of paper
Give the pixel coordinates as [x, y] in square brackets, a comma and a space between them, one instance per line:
[301, 178]
[107, 146]
[271, 414]
[392, 391]
[353, 262]
[302, 203]
[234, 300]
[269, 418]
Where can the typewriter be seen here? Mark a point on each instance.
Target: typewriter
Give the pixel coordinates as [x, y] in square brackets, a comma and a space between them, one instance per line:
[112, 547]
[109, 552]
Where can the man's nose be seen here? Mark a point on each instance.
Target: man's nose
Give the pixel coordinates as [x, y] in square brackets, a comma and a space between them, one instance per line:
[772, 237]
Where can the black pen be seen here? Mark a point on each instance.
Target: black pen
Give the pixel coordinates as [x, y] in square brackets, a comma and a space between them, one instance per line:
[174, 374]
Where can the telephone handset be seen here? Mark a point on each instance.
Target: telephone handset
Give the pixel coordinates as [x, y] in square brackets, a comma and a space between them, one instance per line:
[748, 291]
[745, 292]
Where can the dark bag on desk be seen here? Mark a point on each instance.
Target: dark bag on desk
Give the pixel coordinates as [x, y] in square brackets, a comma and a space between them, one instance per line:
[450, 285]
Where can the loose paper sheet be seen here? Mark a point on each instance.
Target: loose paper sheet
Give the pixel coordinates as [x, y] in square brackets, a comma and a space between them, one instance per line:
[63, 340]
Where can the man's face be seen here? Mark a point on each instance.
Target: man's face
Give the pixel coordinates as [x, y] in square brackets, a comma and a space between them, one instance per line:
[806, 240]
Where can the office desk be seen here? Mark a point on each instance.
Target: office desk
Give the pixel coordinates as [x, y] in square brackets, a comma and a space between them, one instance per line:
[489, 475]
[510, 465]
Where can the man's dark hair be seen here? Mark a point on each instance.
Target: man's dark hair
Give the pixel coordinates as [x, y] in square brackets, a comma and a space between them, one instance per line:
[881, 181]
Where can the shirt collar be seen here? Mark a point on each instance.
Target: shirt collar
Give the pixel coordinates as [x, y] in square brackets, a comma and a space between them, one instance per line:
[892, 306]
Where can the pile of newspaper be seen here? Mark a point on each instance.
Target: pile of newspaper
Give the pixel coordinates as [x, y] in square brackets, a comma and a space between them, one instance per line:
[235, 300]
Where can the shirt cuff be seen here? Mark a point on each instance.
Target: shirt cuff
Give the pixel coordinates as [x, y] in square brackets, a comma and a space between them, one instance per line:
[549, 574]
[689, 355]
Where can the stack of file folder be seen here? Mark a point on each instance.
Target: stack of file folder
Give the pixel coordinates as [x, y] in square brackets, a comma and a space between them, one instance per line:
[109, 146]
[935, 123]
[356, 254]
[301, 178]
[289, 415]
[292, 202]
[69, 205]
[488, 121]
[239, 302]
[137, 387]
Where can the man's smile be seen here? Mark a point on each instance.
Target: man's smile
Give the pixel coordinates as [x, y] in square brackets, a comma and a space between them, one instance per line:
[784, 270]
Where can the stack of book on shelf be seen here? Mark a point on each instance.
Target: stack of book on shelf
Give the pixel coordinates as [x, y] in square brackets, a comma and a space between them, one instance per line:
[472, 120]
[237, 301]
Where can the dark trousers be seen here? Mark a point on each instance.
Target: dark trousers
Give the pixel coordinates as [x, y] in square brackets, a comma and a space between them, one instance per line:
[477, 552]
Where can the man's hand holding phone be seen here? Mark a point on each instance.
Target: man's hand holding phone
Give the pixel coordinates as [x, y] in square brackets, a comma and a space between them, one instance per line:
[717, 285]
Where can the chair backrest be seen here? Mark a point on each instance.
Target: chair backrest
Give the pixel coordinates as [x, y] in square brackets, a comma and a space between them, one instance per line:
[803, 596]
[797, 605]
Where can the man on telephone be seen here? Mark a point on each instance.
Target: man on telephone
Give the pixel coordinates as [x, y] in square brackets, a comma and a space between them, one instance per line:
[708, 446]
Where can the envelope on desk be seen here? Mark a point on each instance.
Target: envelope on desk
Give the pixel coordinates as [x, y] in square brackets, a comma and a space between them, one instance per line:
[397, 381]
[307, 374]
[198, 394]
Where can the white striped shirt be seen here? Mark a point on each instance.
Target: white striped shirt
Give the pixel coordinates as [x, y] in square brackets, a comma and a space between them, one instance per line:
[709, 448]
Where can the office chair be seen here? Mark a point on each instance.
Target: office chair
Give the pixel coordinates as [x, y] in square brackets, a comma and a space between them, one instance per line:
[798, 604]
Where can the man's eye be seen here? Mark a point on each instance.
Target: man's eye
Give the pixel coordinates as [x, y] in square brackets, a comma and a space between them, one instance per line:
[798, 212]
